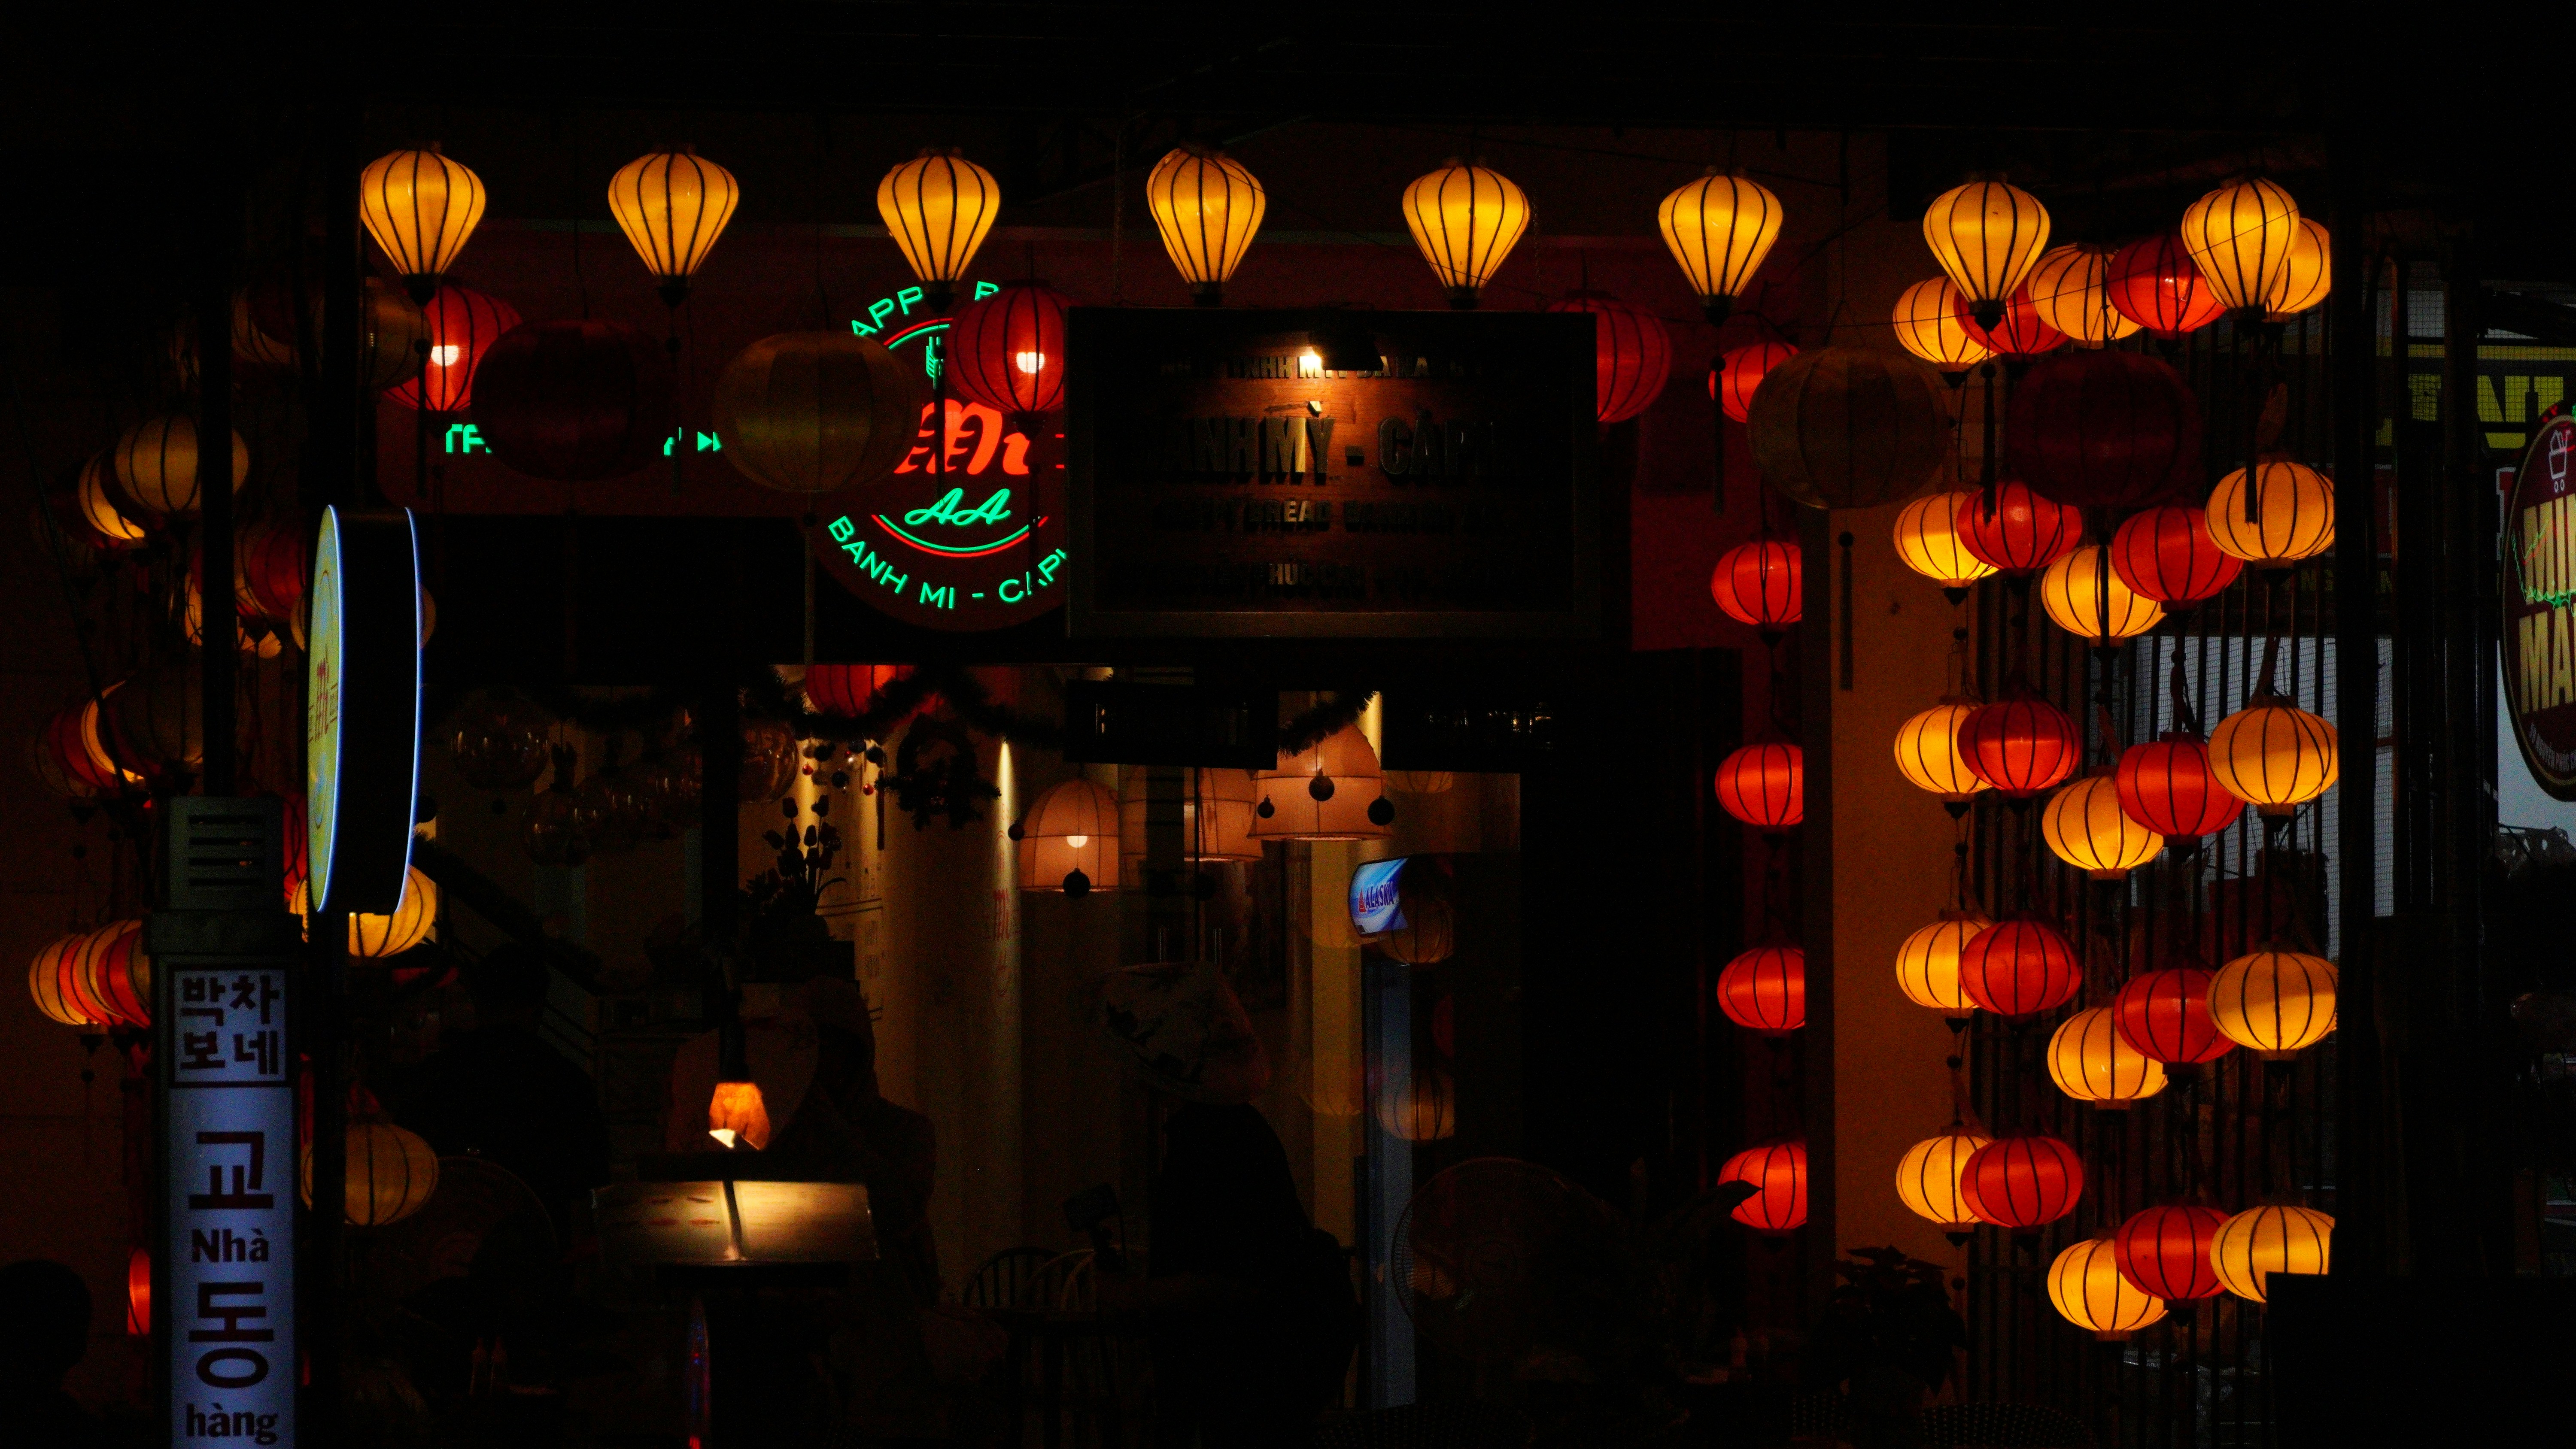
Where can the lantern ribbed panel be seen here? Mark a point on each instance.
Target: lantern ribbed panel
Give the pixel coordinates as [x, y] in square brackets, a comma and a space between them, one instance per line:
[138, 1293]
[47, 982]
[1927, 1177]
[2068, 289]
[2241, 236]
[2086, 599]
[2168, 786]
[1208, 208]
[2020, 745]
[1929, 756]
[2164, 1251]
[2107, 429]
[1006, 349]
[2018, 967]
[100, 511]
[816, 412]
[1778, 1172]
[391, 1174]
[2276, 1002]
[2086, 1287]
[2274, 756]
[673, 205]
[1764, 785]
[463, 324]
[938, 207]
[2085, 827]
[1740, 372]
[2091, 1062]
[2308, 278]
[2155, 284]
[117, 976]
[1927, 963]
[2022, 1182]
[1987, 235]
[1765, 989]
[2167, 554]
[575, 401]
[1846, 427]
[421, 208]
[412, 921]
[1719, 228]
[1760, 583]
[1928, 539]
[1930, 323]
[1466, 219]
[2294, 515]
[1632, 354]
[2020, 333]
[156, 465]
[2023, 532]
[2250, 1247]
[2165, 1015]
[46, 761]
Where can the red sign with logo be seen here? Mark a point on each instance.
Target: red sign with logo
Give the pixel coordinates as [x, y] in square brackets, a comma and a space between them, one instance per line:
[2540, 608]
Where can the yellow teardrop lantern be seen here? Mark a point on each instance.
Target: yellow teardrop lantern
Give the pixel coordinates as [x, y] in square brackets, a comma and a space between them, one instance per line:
[939, 206]
[2089, 1291]
[1927, 964]
[1071, 830]
[1929, 757]
[1927, 539]
[421, 208]
[2085, 827]
[2091, 1062]
[673, 205]
[2067, 290]
[1987, 235]
[2274, 755]
[2294, 515]
[2277, 1002]
[1927, 1176]
[2250, 1247]
[2084, 597]
[1208, 207]
[2308, 278]
[1928, 325]
[2240, 237]
[412, 921]
[1466, 219]
[1720, 227]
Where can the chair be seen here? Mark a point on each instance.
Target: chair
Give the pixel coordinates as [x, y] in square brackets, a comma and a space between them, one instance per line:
[2002, 1426]
[1063, 1282]
[1003, 1279]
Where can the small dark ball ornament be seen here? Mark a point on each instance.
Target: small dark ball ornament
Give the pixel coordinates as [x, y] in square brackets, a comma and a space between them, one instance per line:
[1265, 809]
[876, 754]
[1076, 883]
[1016, 833]
[1381, 811]
[1320, 787]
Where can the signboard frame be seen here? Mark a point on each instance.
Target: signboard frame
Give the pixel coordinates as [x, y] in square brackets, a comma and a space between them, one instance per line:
[362, 710]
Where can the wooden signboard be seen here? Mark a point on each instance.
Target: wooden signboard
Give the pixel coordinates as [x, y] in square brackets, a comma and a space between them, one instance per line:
[1332, 474]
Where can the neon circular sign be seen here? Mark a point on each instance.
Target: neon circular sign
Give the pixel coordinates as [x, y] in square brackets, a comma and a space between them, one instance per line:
[362, 711]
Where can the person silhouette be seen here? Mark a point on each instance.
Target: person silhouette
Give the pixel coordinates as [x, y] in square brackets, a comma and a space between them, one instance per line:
[44, 1334]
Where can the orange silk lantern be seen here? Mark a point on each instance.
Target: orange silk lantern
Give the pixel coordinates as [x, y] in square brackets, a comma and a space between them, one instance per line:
[2022, 532]
[2167, 786]
[2155, 283]
[2020, 334]
[138, 1294]
[1778, 1173]
[2020, 744]
[2167, 554]
[2164, 1251]
[2019, 967]
[1765, 990]
[1632, 354]
[1930, 757]
[2022, 1182]
[1764, 785]
[1761, 583]
[462, 325]
[1006, 349]
[1932, 323]
[2165, 1015]
[1740, 371]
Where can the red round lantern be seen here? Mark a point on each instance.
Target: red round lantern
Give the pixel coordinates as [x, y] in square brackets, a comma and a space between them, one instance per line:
[2165, 1015]
[2019, 967]
[574, 401]
[2154, 282]
[2164, 1252]
[272, 561]
[1632, 354]
[2104, 429]
[1764, 785]
[2020, 333]
[1006, 349]
[2167, 554]
[2167, 786]
[1765, 990]
[2022, 1182]
[1777, 1172]
[2021, 532]
[846, 691]
[118, 976]
[1761, 583]
[1739, 372]
[79, 746]
[138, 1294]
[2020, 744]
[463, 325]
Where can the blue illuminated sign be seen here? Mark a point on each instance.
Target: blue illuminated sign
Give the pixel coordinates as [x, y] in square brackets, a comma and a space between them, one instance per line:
[1377, 905]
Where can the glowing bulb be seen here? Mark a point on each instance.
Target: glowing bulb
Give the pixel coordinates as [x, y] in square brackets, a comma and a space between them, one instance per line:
[1029, 362]
[725, 1135]
[1077, 842]
[1310, 364]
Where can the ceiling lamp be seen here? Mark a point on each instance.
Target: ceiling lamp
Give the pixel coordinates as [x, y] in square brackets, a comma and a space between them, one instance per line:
[2086, 599]
[413, 920]
[1764, 785]
[2111, 429]
[1208, 208]
[1927, 964]
[1719, 227]
[2018, 967]
[2019, 334]
[2274, 755]
[1466, 219]
[461, 325]
[2067, 288]
[1849, 427]
[2168, 786]
[2247, 1249]
[2020, 1183]
[1216, 813]
[1332, 790]
[2155, 283]
[816, 412]
[1928, 325]
[2091, 1062]
[2167, 554]
[673, 206]
[2164, 1251]
[1740, 371]
[1928, 754]
[421, 208]
[2165, 1015]
[2276, 1002]
[1987, 235]
[2086, 1287]
[2292, 517]
[2241, 236]
[1777, 1172]
[2017, 532]
[2086, 828]
[1632, 354]
[1765, 990]
[1068, 840]
[2309, 276]
[156, 465]
[1760, 583]
[1006, 349]
[938, 207]
[2020, 744]
[1928, 540]
[1927, 1177]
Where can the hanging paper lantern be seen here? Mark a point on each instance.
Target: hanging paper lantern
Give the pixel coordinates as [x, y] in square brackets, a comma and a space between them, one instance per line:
[1719, 227]
[2068, 289]
[1777, 1172]
[847, 691]
[1929, 756]
[51, 769]
[462, 325]
[156, 465]
[1331, 791]
[76, 740]
[938, 207]
[138, 1294]
[816, 412]
[2086, 1286]
[1068, 840]
[2165, 1015]
[2155, 284]
[1765, 990]
[421, 208]
[2277, 1002]
[2022, 1182]
[673, 206]
[574, 401]
[1927, 964]
[2022, 532]
[2086, 599]
[2091, 1062]
[1764, 785]
[1006, 349]
[2274, 755]
[499, 742]
[2241, 236]
[1761, 583]
[412, 921]
[1927, 1177]
[1739, 373]
[1420, 1107]
[2164, 1252]
[1216, 813]
[391, 1174]
[393, 328]
[101, 512]
[2104, 429]
[1208, 208]
[2294, 515]
[2018, 967]
[2167, 554]
[116, 975]
[153, 720]
[1928, 541]
[2309, 276]
[1987, 235]
[1466, 219]
[2085, 827]
[2169, 787]
[771, 760]
[1931, 323]
[2020, 744]
[49, 981]
[2019, 333]
[1632, 354]
[1844, 427]
[271, 560]
[2247, 1249]
[1427, 937]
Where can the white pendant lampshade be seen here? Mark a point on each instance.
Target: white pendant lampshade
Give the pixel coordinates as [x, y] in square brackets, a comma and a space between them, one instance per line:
[1069, 840]
[1333, 791]
[1216, 816]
